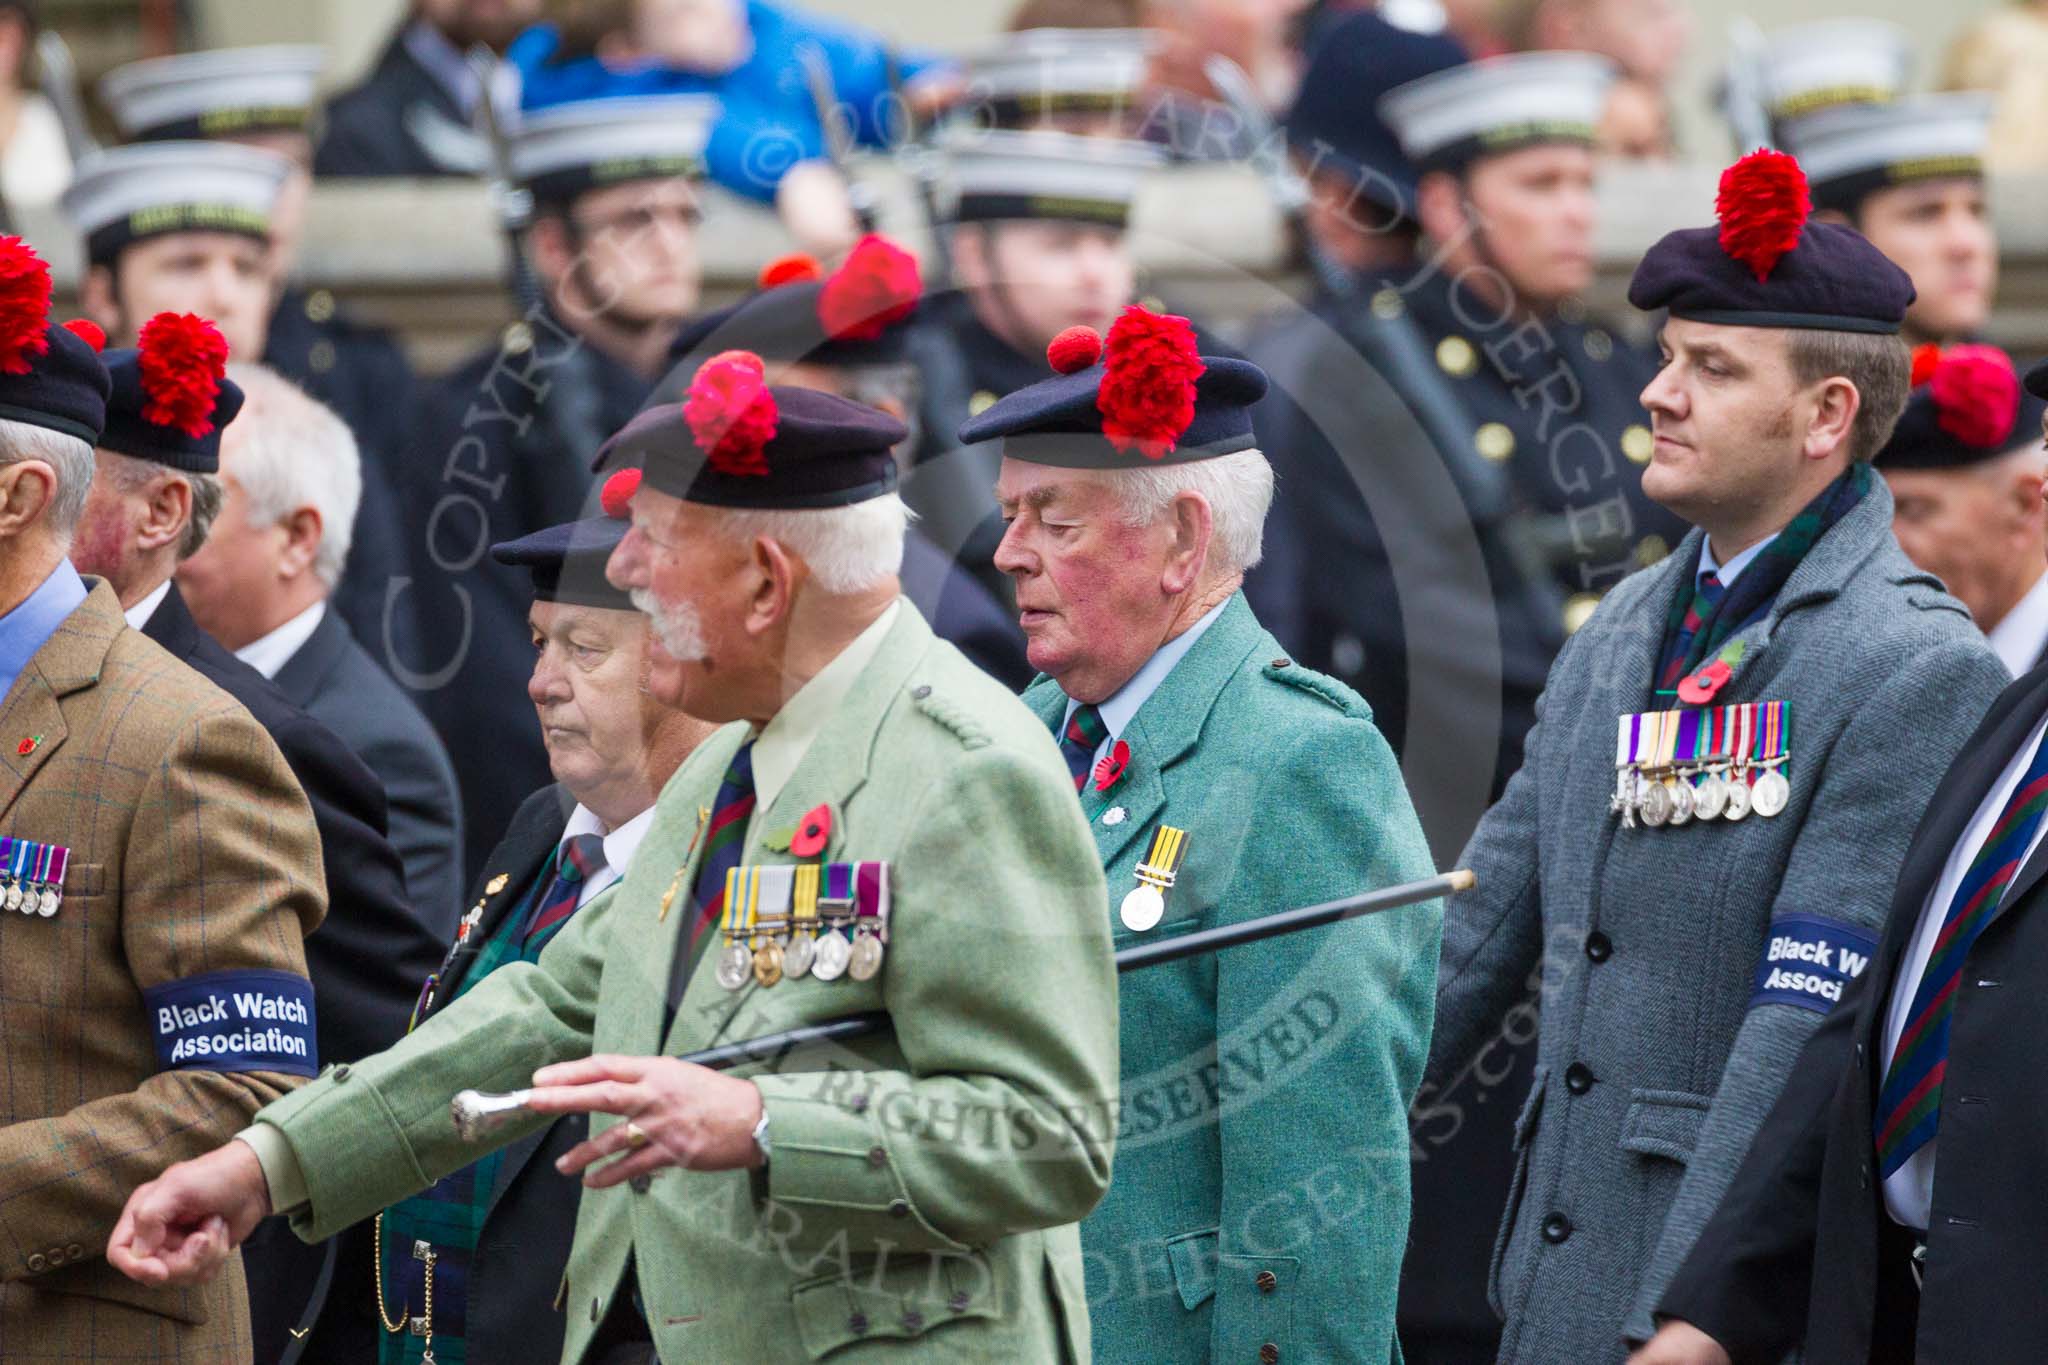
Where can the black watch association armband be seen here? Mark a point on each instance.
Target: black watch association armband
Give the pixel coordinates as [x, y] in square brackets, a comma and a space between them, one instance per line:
[255, 1020]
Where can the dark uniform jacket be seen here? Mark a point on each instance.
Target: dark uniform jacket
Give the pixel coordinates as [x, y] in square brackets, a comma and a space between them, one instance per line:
[360, 372]
[399, 121]
[335, 682]
[366, 961]
[1802, 1243]
[501, 448]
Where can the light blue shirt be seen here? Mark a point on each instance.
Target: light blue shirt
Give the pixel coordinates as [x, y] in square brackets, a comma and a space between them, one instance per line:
[1732, 570]
[1117, 711]
[24, 630]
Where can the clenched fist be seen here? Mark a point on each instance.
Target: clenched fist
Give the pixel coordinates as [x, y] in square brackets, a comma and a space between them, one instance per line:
[183, 1226]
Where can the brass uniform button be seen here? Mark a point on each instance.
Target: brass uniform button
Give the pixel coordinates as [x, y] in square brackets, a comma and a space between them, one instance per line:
[1456, 358]
[1638, 444]
[1495, 441]
[1578, 609]
[982, 401]
[1267, 1281]
[517, 339]
[1599, 345]
[1650, 549]
[1387, 305]
[320, 305]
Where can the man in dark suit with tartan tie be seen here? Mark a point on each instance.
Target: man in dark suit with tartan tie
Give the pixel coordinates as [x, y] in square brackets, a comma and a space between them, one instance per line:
[500, 1229]
[1891, 1208]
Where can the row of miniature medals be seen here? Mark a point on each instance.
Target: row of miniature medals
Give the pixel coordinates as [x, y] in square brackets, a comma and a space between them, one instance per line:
[826, 920]
[1719, 763]
[32, 875]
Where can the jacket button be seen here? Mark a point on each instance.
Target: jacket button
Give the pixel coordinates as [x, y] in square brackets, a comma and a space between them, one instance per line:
[1269, 1354]
[1556, 1229]
[858, 1324]
[642, 1183]
[877, 1157]
[913, 1322]
[1283, 663]
[55, 1257]
[37, 1263]
[341, 1073]
[898, 1209]
[858, 1102]
[1598, 946]
[921, 691]
[73, 1252]
[1267, 1281]
[1578, 1078]
[958, 1303]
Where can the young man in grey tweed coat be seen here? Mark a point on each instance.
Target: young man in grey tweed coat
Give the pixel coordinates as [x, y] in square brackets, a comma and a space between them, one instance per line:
[1697, 893]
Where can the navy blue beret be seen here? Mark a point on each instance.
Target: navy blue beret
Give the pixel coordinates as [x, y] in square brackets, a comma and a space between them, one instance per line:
[1061, 420]
[824, 450]
[65, 389]
[568, 561]
[1969, 408]
[1335, 123]
[856, 316]
[1765, 265]
[130, 432]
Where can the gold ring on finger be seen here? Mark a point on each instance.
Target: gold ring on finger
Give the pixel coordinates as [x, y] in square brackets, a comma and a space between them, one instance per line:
[636, 1136]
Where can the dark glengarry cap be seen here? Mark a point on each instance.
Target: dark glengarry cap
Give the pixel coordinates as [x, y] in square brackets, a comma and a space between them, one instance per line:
[856, 316]
[1852, 151]
[1452, 118]
[568, 561]
[1141, 397]
[1766, 265]
[1335, 123]
[737, 441]
[50, 376]
[223, 93]
[1966, 407]
[1059, 177]
[125, 194]
[569, 149]
[171, 394]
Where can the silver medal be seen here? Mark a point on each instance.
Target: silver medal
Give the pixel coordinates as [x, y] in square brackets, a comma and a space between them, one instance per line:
[797, 954]
[866, 958]
[1682, 801]
[1710, 798]
[1143, 908]
[48, 907]
[14, 895]
[1656, 805]
[1738, 798]
[1770, 794]
[832, 956]
[735, 966]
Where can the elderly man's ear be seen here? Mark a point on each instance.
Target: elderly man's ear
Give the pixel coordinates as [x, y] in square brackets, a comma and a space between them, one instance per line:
[1192, 526]
[26, 488]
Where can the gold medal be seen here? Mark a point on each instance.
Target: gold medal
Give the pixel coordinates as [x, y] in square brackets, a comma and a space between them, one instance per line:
[768, 963]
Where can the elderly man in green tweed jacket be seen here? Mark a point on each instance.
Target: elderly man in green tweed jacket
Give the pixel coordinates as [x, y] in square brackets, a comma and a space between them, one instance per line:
[1260, 1206]
[881, 828]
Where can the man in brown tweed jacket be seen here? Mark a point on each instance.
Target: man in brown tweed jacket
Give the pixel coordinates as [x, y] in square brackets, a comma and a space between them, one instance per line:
[159, 869]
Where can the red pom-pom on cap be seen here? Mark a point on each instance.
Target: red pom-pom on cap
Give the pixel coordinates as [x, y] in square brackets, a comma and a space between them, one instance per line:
[1762, 206]
[184, 358]
[877, 287]
[1976, 395]
[617, 493]
[731, 412]
[1926, 357]
[24, 306]
[1074, 350]
[89, 332]
[791, 269]
[1147, 394]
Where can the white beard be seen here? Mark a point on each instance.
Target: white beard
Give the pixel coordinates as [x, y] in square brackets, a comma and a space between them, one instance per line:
[677, 629]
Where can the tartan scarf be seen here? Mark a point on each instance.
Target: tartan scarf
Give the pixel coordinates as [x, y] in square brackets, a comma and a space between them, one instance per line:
[1750, 599]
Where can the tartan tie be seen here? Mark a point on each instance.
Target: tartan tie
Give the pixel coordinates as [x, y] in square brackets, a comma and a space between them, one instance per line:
[573, 864]
[1909, 1104]
[1078, 742]
[724, 838]
[1704, 600]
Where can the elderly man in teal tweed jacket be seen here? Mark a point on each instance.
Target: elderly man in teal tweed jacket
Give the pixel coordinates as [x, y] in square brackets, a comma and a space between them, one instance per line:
[1260, 1202]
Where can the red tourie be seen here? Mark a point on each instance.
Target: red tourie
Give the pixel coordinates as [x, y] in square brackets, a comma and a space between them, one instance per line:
[1074, 350]
[789, 270]
[1762, 205]
[731, 412]
[1976, 395]
[24, 305]
[876, 288]
[1147, 396]
[617, 494]
[184, 358]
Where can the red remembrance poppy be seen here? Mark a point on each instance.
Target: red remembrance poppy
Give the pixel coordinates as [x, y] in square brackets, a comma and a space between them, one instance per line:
[1698, 687]
[811, 833]
[1110, 770]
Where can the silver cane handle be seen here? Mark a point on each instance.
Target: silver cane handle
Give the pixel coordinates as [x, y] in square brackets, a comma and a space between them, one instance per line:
[479, 1113]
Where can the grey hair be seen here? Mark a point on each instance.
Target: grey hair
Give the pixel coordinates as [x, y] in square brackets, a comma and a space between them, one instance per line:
[71, 458]
[132, 475]
[848, 549]
[293, 451]
[1238, 488]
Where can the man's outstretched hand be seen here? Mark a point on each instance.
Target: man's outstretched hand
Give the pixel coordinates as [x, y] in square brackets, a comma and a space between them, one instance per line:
[182, 1227]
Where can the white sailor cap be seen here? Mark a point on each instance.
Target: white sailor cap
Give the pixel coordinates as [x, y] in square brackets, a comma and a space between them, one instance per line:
[568, 149]
[1850, 151]
[1006, 174]
[1042, 73]
[227, 92]
[1451, 118]
[1830, 62]
[124, 194]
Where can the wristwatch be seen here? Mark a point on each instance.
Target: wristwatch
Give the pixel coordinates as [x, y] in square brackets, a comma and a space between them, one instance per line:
[761, 1134]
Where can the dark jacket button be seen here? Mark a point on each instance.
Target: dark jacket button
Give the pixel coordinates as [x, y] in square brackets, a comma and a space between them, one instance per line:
[958, 1303]
[913, 1322]
[858, 1324]
[858, 1102]
[898, 1209]
[1578, 1078]
[877, 1157]
[1556, 1229]
[1598, 946]
[1269, 1354]
[1267, 1281]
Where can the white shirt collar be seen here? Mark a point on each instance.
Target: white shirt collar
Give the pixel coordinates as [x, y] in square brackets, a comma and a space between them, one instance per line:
[138, 615]
[1118, 711]
[1732, 570]
[619, 845]
[2021, 633]
[787, 736]
[269, 653]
